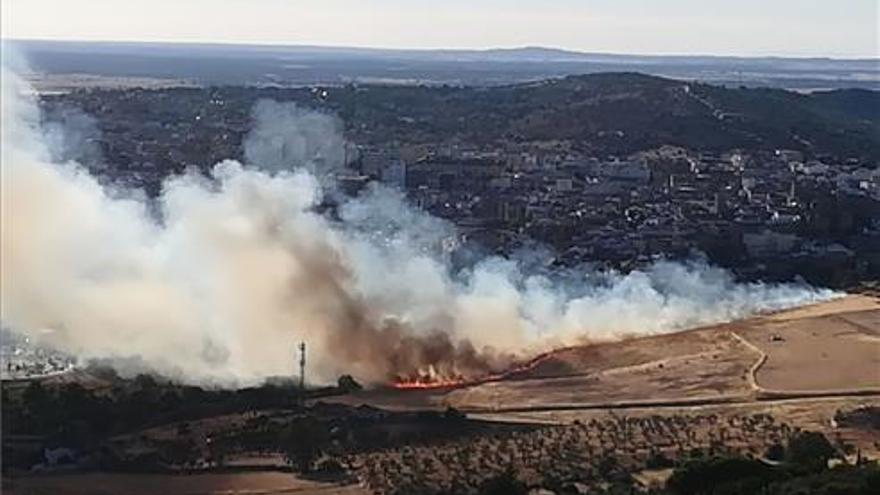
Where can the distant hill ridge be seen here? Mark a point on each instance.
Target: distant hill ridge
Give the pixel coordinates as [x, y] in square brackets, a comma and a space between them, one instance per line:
[215, 63]
[626, 112]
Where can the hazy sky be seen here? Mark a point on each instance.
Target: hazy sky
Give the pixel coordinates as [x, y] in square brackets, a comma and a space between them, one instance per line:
[728, 27]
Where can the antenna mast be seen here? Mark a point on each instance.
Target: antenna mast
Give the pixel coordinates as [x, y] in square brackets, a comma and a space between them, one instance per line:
[302, 365]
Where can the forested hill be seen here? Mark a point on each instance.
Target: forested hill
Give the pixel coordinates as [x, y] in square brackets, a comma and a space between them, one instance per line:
[600, 114]
[625, 112]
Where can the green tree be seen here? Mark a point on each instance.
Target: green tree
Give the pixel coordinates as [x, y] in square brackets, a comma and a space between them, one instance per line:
[714, 475]
[42, 413]
[503, 484]
[809, 450]
[775, 452]
[347, 383]
[303, 441]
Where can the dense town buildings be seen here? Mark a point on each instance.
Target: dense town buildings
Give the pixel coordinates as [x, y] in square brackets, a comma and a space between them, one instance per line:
[767, 213]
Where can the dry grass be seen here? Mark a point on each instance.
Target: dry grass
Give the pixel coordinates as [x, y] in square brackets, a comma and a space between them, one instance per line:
[704, 364]
[827, 347]
[830, 346]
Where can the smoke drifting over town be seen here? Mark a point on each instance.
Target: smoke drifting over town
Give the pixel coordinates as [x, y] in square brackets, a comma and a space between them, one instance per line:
[217, 281]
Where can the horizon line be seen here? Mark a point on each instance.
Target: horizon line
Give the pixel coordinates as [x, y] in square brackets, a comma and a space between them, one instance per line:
[282, 44]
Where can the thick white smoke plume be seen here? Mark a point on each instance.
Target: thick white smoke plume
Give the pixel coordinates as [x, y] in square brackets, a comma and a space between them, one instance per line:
[236, 268]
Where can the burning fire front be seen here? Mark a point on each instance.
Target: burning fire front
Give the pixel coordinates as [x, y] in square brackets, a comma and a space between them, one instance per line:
[431, 379]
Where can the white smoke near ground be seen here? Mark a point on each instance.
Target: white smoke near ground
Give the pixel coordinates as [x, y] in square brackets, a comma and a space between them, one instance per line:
[72, 135]
[285, 137]
[235, 268]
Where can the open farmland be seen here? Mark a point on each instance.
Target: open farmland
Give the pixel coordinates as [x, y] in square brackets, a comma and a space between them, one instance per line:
[819, 349]
[578, 418]
[830, 348]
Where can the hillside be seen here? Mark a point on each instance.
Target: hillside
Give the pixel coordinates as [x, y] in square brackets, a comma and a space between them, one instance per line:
[601, 114]
[625, 112]
[824, 350]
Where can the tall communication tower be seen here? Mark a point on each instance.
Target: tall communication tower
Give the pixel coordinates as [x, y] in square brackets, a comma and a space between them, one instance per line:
[302, 365]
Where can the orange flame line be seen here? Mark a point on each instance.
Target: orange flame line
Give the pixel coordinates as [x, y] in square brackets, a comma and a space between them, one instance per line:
[426, 383]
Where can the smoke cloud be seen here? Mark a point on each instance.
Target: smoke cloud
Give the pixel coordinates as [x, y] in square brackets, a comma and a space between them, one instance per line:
[218, 280]
[284, 137]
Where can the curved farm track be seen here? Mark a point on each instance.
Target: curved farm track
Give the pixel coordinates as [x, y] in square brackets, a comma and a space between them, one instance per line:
[823, 351]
